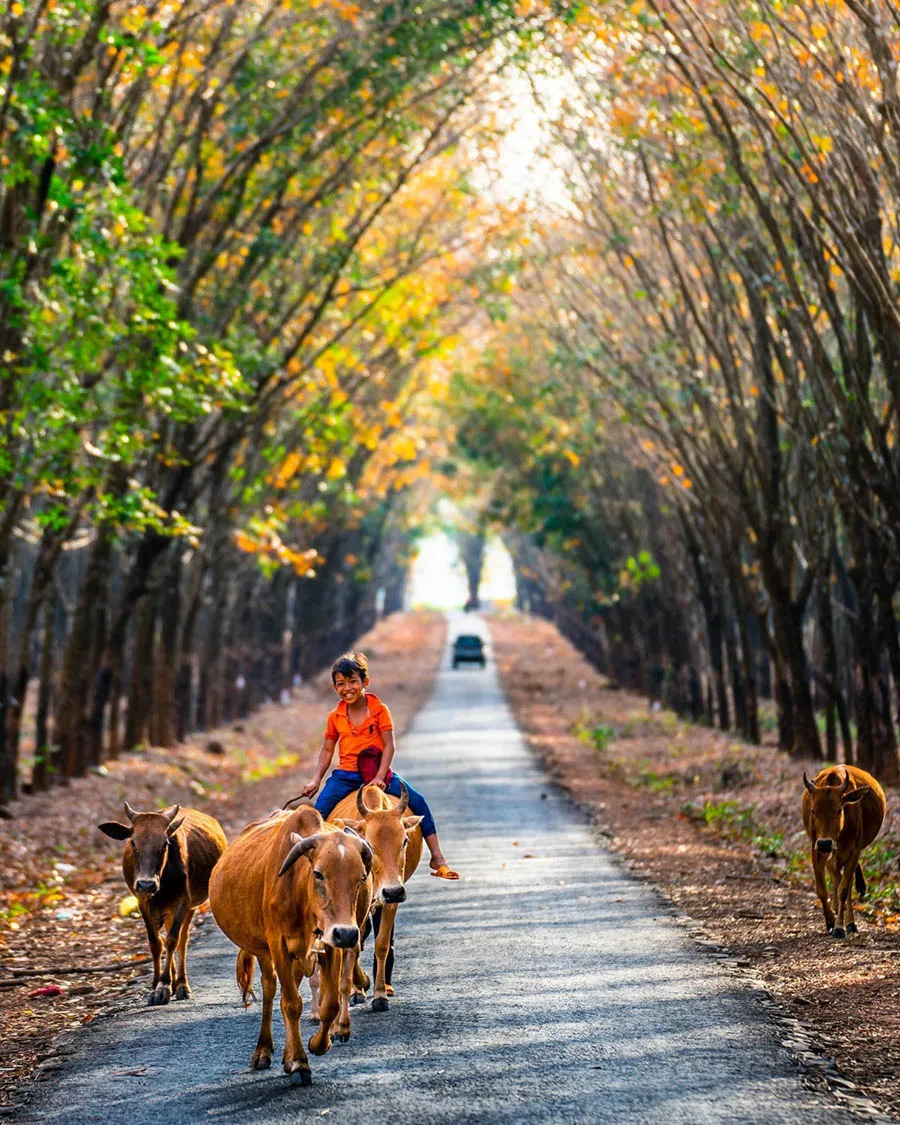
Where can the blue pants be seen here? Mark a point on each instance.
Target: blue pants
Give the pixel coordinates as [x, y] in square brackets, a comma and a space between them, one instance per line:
[344, 782]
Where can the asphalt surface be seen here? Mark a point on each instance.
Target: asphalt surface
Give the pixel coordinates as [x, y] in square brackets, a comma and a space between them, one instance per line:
[547, 986]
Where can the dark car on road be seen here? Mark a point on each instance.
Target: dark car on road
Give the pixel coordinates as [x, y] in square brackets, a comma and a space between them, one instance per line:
[468, 649]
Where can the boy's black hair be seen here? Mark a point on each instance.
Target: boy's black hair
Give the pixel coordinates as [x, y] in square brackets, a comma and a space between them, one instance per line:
[350, 664]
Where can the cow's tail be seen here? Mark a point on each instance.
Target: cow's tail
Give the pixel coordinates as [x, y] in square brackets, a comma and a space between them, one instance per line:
[860, 880]
[243, 970]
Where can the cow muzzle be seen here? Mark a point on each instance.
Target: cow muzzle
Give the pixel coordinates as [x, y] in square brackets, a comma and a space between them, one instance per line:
[343, 937]
[146, 886]
[393, 894]
[825, 847]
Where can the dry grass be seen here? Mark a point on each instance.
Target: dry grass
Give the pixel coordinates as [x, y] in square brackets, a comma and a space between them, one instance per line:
[60, 879]
[715, 823]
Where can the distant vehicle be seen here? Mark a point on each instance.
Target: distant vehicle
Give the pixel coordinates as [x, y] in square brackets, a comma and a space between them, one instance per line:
[468, 649]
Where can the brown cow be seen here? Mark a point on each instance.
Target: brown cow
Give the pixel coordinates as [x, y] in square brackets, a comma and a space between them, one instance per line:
[287, 893]
[396, 841]
[843, 810]
[167, 864]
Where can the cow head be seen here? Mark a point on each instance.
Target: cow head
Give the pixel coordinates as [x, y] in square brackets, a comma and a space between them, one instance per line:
[339, 864]
[149, 835]
[388, 832]
[826, 808]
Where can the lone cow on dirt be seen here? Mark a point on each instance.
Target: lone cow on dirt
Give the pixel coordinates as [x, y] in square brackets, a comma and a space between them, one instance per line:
[167, 864]
[287, 893]
[843, 810]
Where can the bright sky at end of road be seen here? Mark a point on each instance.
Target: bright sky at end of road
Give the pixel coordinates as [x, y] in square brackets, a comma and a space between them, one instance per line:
[439, 578]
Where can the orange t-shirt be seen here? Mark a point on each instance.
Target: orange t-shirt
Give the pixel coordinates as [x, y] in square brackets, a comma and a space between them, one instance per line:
[351, 739]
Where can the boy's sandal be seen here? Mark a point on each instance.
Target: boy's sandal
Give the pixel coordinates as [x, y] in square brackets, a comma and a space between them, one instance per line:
[389, 989]
[444, 871]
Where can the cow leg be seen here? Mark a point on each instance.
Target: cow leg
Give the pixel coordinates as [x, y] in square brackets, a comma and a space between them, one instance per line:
[163, 991]
[182, 988]
[349, 961]
[822, 889]
[155, 943]
[265, 1045]
[296, 1063]
[385, 927]
[845, 914]
[361, 980]
[329, 1002]
[832, 868]
[314, 993]
[361, 983]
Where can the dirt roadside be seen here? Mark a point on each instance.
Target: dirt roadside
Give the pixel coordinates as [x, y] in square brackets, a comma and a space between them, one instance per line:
[715, 824]
[60, 879]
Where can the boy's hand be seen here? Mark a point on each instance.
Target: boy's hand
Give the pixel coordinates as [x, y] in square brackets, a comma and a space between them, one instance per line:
[379, 782]
[310, 789]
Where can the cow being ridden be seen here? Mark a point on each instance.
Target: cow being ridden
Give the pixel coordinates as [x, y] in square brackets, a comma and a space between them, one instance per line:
[396, 842]
[290, 892]
[843, 810]
[167, 863]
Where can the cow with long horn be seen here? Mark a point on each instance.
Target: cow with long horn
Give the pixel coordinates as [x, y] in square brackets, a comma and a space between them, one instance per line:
[167, 862]
[843, 810]
[396, 842]
[289, 892]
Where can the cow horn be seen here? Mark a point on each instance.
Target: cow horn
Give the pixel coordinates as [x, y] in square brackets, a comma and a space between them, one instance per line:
[173, 814]
[300, 847]
[809, 785]
[846, 783]
[361, 802]
[404, 800]
[130, 812]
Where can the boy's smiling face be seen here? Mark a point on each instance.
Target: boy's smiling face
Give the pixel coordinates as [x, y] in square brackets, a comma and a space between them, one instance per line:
[350, 688]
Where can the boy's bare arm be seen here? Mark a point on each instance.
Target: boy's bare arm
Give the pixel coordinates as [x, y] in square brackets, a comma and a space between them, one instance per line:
[387, 756]
[325, 756]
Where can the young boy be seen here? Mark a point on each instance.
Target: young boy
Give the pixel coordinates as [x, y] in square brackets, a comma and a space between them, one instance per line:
[358, 722]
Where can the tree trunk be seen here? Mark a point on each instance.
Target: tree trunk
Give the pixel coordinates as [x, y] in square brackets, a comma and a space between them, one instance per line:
[163, 727]
[140, 693]
[71, 708]
[43, 750]
[876, 747]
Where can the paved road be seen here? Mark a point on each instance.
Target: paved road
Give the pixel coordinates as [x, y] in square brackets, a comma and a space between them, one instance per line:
[547, 987]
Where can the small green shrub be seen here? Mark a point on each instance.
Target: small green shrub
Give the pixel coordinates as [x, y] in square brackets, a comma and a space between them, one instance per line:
[599, 736]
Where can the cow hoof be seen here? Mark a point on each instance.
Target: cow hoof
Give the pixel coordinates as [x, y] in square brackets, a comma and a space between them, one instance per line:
[852, 928]
[159, 995]
[314, 1021]
[301, 1076]
[343, 1037]
[260, 1061]
[379, 1004]
[838, 932]
[357, 998]
[183, 992]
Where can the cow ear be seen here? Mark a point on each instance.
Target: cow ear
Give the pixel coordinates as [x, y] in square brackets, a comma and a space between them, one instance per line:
[366, 852]
[855, 795]
[115, 830]
[174, 826]
[411, 822]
